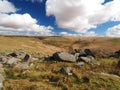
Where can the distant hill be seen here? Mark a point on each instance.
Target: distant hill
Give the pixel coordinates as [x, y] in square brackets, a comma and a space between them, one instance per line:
[48, 45]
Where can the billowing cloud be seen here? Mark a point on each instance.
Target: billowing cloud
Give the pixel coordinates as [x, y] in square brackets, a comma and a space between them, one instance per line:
[82, 15]
[113, 31]
[20, 24]
[6, 7]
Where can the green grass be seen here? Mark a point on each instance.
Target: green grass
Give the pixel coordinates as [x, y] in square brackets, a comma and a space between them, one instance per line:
[46, 75]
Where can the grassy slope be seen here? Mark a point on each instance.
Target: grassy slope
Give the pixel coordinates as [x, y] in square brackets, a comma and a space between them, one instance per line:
[49, 45]
[43, 76]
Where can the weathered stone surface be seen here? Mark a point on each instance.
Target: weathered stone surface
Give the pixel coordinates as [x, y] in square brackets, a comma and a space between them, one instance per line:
[21, 55]
[13, 61]
[66, 71]
[62, 56]
[87, 59]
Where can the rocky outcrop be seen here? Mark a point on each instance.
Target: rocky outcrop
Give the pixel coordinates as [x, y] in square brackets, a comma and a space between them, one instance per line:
[21, 55]
[62, 56]
[87, 59]
[115, 54]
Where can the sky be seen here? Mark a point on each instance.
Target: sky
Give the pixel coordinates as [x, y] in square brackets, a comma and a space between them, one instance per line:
[60, 17]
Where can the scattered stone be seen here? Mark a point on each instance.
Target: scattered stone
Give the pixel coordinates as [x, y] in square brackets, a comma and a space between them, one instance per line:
[62, 56]
[66, 71]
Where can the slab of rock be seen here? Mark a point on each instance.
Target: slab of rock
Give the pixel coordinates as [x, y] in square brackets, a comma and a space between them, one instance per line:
[21, 55]
[13, 61]
[62, 56]
[87, 59]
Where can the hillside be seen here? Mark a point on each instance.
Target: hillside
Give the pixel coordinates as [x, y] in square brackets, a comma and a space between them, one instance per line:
[47, 75]
[49, 45]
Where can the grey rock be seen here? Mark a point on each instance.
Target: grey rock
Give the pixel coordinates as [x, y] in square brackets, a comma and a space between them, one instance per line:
[1, 81]
[21, 55]
[62, 56]
[77, 55]
[27, 57]
[13, 61]
[66, 71]
[82, 53]
[87, 59]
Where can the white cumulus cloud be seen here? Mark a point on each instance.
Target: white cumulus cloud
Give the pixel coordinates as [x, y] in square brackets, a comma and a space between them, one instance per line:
[6, 7]
[113, 31]
[82, 15]
[20, 24]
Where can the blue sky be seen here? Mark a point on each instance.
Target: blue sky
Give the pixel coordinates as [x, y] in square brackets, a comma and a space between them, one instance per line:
[60, 17]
